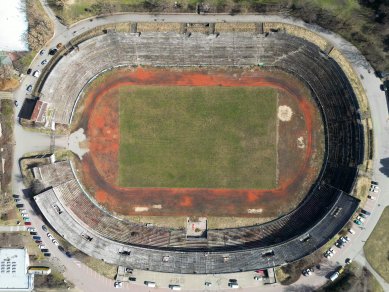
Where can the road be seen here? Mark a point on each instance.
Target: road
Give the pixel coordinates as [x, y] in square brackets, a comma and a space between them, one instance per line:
[87, 280]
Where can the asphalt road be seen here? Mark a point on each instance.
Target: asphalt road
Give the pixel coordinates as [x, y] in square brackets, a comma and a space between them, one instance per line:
[87, 280]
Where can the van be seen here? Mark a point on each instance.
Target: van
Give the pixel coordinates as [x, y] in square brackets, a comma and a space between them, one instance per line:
[334, 276]
[175, 287]
[233, 285]
[150, 284]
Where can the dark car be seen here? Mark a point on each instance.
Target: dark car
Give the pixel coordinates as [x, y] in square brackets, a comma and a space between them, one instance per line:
[47, 254]
[16, 196]
[52, 52]
[365, 212]
[61, 248]
[29, 70]
[19, 205]
[44, 250]
[36, 237]
[132, 279]
[27, 223]
[38, 241]
[44, 228]
[33, 233]
[68, 254]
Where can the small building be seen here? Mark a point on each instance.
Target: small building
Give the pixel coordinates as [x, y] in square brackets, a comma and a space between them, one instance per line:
[14, 274]
[39, 113]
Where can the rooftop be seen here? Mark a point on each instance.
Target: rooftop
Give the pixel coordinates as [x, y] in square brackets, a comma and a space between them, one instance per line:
[13, 270]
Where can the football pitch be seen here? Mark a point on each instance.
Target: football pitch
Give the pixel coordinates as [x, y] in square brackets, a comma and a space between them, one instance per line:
[198, 137]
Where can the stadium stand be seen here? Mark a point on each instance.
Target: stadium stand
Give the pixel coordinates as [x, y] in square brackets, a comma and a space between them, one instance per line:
[325, 210]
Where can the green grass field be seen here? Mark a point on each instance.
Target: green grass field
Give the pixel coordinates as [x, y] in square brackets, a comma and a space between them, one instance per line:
[211, 137]
[377, 249]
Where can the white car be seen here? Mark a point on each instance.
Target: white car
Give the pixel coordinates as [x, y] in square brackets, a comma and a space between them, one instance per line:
[361, 219]
[374, 189]
[351, 231]
[371, 197]
[36, 73]
[24, 215]
[55, 242]
[31, 229]
[50, 236]
[23, 211]
[118, 284]
[42, 246]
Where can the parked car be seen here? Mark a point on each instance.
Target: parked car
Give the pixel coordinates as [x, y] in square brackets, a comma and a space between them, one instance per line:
[339, 244]
[52, 52]
[38, 241]
[44, 228]
[36, 237]
[44, 250]
[25, 215]
[47, 254]
[132, 279]
[118, 284]
[22, 211]
[371, 197]
[29, 71]
[343, 239]
[42, 246]
[31, 229]
[374, 189]
[367, 213]
[61, 248]
[15, 196]
[68, 254]
[374, 183]
[26, 219]
[27, 223]
[44, 62]
[19, 205]
[351, 231]
[17, 200]
[348, 261]
[357, 222]
[55, 242]
[29, 88]
[41, 52]
[361, 219]
[33, 233]
[36, 73]
[308, 272]
[328, 255]
[49, 235]
[334, 276]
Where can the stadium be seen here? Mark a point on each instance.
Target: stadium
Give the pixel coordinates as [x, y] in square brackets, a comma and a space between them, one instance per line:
[139, 92]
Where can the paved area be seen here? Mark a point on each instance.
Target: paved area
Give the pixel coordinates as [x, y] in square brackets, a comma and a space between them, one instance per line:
[87, 280]
[13, 228]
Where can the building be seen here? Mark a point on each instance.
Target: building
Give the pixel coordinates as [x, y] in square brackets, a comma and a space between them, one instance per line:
[14, 263]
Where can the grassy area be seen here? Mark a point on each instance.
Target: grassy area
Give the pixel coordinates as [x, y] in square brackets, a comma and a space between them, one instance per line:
[377, 249]
[7, 206]
[354, 278]
[213, 137]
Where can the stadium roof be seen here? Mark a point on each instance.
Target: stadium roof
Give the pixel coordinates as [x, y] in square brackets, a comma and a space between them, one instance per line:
[13, 270]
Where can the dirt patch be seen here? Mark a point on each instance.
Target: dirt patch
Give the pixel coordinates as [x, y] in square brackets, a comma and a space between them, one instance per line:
[284, 113]
[297, 166]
